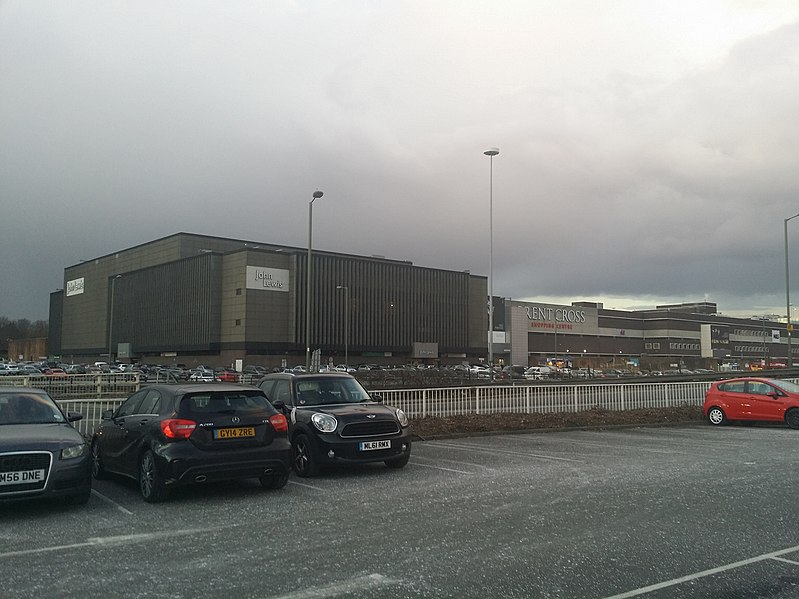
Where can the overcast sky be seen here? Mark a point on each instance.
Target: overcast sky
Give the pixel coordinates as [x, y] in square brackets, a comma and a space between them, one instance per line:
[649, 150]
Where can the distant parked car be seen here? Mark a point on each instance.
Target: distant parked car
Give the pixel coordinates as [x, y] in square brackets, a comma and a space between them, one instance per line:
[752, 399]
[334, 420]
[164, 436]
[41, 454]
[227, 376]
[537, 373]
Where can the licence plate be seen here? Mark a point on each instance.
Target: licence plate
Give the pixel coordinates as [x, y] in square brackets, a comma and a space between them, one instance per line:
[371, 445]
[21, 477]
[234, 433]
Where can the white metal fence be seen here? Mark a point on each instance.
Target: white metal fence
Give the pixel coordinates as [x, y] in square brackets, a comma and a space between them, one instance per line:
[77, 386]
[454, 401]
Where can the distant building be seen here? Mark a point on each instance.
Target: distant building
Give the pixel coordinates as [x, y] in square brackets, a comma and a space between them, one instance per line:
[190, 298]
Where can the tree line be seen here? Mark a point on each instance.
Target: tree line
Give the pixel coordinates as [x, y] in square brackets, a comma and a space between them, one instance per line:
[20, 329]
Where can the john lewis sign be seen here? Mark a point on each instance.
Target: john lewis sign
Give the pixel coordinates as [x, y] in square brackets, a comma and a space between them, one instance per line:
[267, 279]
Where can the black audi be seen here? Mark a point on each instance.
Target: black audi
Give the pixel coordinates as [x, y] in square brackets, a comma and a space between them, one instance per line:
[41, 454]
[334, 420]
[164, 436]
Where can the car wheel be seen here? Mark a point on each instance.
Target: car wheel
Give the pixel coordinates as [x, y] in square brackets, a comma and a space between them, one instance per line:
[399, 462]
[716, 417]
[150, 483]
[305, 464]
[792, 418]
[274, 481]
[98, 471]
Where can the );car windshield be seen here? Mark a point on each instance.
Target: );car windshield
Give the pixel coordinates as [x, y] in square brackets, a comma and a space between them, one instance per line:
[199, 404]
[28, 408]
[318, 391]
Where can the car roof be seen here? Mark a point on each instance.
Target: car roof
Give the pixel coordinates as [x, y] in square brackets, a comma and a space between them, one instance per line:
[13, 388]
[182, 388]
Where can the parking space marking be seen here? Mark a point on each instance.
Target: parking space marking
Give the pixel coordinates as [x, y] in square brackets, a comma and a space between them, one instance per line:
[787, 561]
[466, 446]
[362, 583]
[440, 468]
[675, 581]
[97, 493]
[307, 486]
[622, 447]
[416, 456]
[111, 541]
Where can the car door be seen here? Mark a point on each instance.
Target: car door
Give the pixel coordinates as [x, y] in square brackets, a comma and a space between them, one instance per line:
[115, 432]
[734, 401]
[765, 401]
[136, 426]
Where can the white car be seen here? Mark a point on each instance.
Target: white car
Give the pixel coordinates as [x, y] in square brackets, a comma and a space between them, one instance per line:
[537, 373]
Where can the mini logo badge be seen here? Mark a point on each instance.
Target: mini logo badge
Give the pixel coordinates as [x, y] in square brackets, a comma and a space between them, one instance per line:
[235, 420]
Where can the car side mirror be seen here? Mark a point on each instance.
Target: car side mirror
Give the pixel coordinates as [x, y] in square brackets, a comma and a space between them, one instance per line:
[279, 404]
[107, 414]
[74, 416]
[377, 397]
[774, 395]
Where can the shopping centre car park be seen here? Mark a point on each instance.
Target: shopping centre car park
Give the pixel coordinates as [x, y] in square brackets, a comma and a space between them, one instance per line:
[686, 511]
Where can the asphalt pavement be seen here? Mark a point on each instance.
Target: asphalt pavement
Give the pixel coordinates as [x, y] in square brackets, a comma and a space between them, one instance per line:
[641, 512]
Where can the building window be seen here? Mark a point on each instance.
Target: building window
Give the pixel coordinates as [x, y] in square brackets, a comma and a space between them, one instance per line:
[238, 322]
[238, 291]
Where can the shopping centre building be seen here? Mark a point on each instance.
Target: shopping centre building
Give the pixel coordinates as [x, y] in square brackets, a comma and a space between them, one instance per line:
[197, 299]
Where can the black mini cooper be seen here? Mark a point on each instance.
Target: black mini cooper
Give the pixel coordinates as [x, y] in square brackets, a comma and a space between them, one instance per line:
[334, 420]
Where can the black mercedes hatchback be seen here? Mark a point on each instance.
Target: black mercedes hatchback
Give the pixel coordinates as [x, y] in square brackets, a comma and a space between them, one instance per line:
[41, 454]
[164, 436]
[334, 420]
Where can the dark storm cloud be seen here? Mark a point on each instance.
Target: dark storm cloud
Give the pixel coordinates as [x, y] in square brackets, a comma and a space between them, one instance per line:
[640, 158]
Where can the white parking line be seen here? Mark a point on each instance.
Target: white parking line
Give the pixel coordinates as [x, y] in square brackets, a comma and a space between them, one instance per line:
[439, 468]
[710, 572]
[294, 482]
[97, 493]
[416, 456]
[350, 587]
[468, 447]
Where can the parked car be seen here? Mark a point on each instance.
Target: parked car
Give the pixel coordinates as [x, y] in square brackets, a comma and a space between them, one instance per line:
[334, 420]
[164, 436]
[41, 454]
[204, 376]
[537, 373]
[752, 399]
[227, 376]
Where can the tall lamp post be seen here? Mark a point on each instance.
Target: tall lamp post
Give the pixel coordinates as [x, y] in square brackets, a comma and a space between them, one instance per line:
[491, 152]
[788, 292]
[308, 291]
[111, 319]
[346, 324]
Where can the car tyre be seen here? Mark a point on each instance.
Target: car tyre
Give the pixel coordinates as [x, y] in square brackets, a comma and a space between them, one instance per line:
[792, 418]
[399, 462]
[151, 485]
[716, 417]
[98, 470]
[305, 463]
[277, 480]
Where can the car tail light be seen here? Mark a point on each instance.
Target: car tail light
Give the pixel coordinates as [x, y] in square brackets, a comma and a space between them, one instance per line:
[279, 423]
[176, 428]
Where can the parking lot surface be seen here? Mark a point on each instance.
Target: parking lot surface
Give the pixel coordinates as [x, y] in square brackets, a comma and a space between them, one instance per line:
[640, 512]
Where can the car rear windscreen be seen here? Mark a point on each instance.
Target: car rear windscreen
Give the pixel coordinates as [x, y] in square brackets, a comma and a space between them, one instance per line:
[199, 405]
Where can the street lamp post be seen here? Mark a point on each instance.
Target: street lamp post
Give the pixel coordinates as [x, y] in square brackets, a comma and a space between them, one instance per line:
[308, 292]
[111, 319]
[346, 324]
[788, 292]
[491, 152]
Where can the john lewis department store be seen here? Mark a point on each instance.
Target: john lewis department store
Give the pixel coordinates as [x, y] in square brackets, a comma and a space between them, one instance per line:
[197, 299]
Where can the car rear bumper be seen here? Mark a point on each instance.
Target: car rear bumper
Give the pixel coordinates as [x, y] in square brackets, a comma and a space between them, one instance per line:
[182, 464]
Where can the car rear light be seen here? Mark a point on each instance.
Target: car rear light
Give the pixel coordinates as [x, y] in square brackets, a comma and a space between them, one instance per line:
[279, 423]
[176, 428]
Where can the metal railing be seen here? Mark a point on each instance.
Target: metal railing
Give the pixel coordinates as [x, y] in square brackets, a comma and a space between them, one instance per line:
[455, 401]
[419, 403]
[79, 386]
